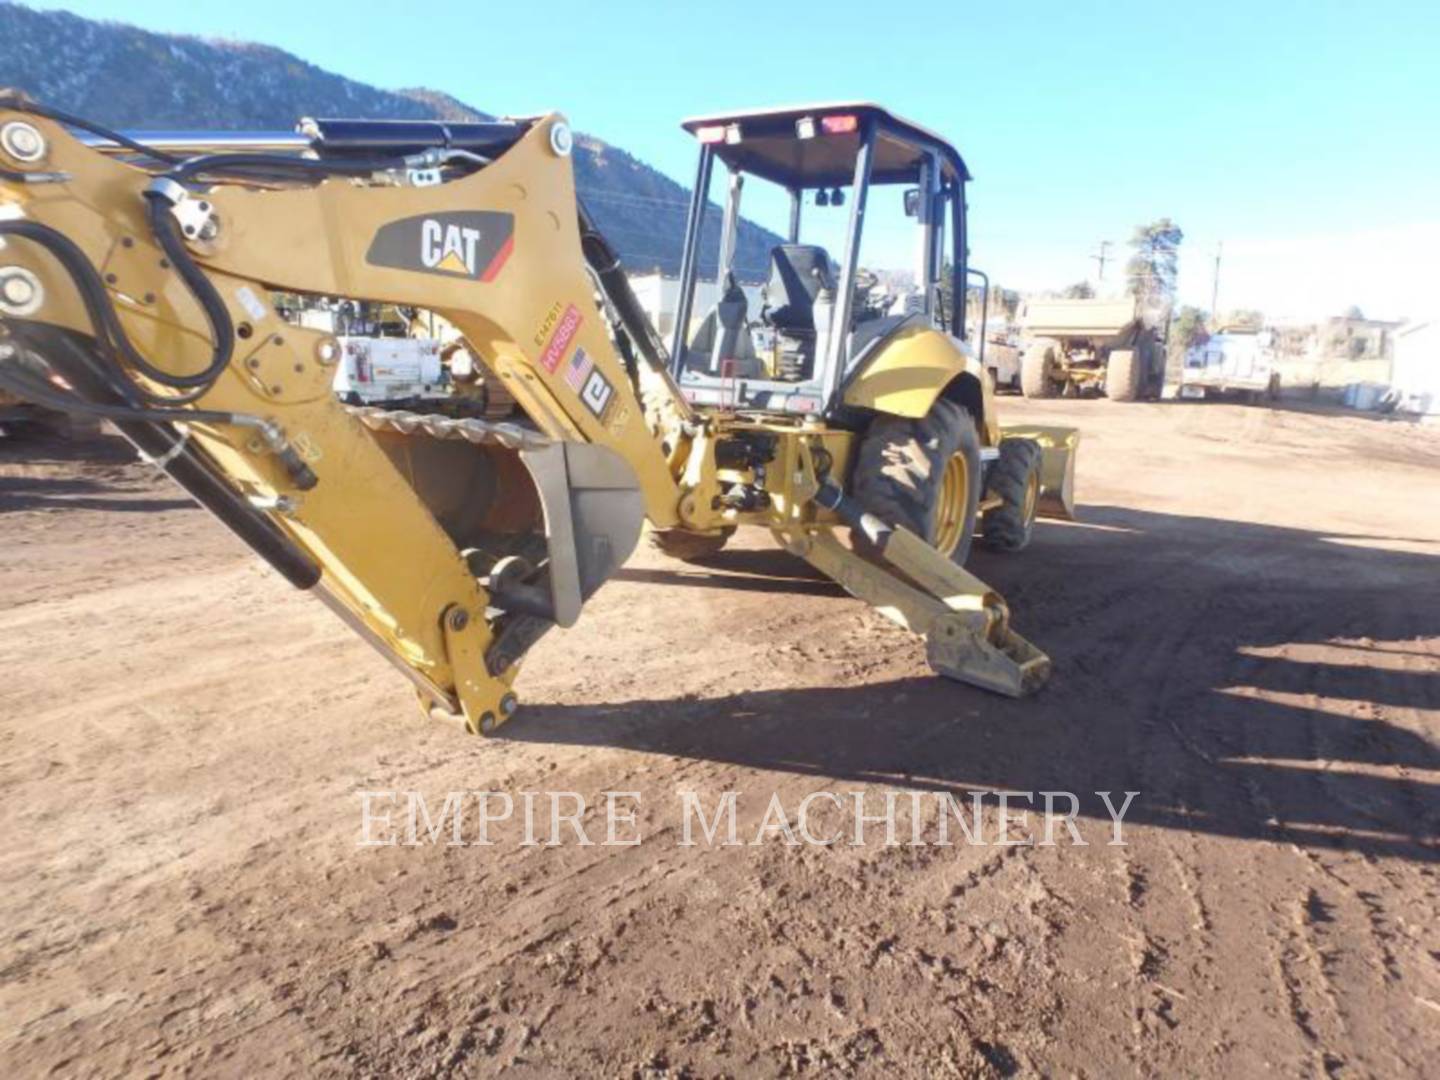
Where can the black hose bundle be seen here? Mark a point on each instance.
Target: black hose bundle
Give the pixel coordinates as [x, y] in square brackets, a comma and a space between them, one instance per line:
[277, 165]
[150, 430]
[222, 327]
[109, 334]
[110, 337]
[136, 402]
[14, 99]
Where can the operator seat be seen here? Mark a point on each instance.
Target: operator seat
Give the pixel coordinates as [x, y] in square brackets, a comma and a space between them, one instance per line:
[724, 338]
[797, 274]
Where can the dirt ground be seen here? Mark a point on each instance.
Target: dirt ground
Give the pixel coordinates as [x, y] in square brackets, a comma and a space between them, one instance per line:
[1246, 631]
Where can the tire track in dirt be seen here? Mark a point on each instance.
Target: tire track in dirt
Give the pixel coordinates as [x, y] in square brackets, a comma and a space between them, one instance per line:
[1274, 867]
[1341, 946]
[1299, 968]
[1153, 930]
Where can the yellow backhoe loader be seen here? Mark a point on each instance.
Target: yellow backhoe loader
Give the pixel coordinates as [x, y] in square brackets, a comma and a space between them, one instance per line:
[137, 284]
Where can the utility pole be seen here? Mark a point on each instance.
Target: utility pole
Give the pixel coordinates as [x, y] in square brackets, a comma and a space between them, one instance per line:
[1215, 283]
[1102, 258]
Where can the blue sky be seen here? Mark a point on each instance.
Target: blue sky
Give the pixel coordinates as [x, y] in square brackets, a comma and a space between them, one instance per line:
[1302, 135]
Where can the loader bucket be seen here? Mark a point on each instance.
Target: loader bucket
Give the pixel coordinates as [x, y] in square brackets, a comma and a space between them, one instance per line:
[1057, 467]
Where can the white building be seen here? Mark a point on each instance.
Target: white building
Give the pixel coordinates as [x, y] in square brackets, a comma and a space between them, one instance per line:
[1417, 367]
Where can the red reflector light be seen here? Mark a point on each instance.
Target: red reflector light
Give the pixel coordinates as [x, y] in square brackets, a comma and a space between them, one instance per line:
[711, 133]
[839, 125]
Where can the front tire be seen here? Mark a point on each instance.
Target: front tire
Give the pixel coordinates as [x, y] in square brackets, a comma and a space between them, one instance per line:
[925, 475]
[1015, 478]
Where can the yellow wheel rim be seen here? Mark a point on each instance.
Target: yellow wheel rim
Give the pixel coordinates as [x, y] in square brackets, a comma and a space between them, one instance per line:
[1032, 497]
[954, 497]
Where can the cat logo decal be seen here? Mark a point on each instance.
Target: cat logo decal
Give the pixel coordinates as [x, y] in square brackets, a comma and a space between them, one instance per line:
[472, 244]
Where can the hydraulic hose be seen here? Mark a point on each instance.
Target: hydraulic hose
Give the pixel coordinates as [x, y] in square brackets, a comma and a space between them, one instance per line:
[109, 336]
[30, 386]
[14, 99]
[233, 164]
[222, 327]
[11, 177]
[71, 354]
[102, 313]
[37, 391]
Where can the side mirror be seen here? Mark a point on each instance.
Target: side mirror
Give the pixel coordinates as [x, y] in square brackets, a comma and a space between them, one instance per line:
[912, 202]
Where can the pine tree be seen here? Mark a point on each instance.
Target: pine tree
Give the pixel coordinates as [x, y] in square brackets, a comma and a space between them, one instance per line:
[1153, 267]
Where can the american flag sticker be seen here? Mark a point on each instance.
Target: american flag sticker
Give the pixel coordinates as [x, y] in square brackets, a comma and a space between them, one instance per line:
[576, 370]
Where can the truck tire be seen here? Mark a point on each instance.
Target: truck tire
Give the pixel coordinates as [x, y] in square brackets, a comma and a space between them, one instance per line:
[689, 546]
[1037, 367]
[1174, 361]
[1123, 375]
[1152, 368]
[1015, 478]
[923, 474]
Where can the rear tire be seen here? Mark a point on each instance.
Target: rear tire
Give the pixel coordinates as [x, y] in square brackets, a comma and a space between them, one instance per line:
[690, 546]
[1123, 375]
[1152, 367]
[1015, 477]
[1037, 367]
[900, 474]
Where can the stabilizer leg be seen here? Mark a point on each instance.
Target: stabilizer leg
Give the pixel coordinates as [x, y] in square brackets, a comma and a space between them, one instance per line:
[965, 623]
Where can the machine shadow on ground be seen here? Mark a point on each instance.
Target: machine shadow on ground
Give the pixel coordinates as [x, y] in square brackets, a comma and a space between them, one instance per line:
[49, 448]
[51, 493]
[26, 460]
[743, 569]
[1165, 631]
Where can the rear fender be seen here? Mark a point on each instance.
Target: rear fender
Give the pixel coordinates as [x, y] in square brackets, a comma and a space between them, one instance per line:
[906, 372]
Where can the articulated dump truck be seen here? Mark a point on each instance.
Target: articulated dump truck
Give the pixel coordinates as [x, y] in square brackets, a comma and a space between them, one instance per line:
[138, 283]
[1074, 346]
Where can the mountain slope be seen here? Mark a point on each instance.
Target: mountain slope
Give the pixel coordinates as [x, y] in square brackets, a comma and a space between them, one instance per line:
[131, 78]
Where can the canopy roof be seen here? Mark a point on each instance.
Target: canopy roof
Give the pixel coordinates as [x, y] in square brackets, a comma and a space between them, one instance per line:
[770, 147]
